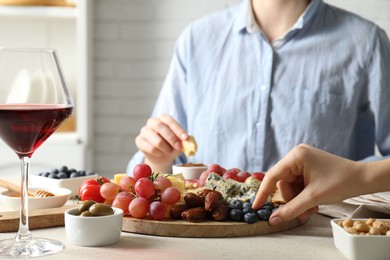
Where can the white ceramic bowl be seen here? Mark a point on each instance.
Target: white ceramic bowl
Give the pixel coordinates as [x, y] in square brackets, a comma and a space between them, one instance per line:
[189, 172]
[12, 203]
[360, 247]
[93, 231]
[72, 184]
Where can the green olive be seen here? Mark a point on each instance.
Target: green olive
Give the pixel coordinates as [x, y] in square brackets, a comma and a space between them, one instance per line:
[86, 205]
[86, 214]
[101, 209]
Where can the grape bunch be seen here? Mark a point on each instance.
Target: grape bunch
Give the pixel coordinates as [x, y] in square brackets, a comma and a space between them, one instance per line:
[143, 194]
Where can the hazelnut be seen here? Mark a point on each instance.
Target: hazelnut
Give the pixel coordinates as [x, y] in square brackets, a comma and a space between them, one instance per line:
[347, 222]
[360, 226]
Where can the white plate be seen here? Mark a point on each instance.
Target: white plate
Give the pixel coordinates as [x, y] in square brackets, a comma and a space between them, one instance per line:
[13, 203]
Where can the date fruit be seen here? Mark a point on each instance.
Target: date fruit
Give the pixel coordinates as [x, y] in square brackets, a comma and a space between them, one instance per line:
[211, 200]
[221, 212]
[193, 200]
[198, 214]
[176, 210]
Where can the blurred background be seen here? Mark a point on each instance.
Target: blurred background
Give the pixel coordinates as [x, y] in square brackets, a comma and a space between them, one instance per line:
[115, 54]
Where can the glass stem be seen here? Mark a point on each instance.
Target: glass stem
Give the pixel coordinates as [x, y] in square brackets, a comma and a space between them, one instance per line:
[24, 232]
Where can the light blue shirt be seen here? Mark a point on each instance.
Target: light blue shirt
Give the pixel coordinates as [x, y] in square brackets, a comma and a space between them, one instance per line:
[248, 102]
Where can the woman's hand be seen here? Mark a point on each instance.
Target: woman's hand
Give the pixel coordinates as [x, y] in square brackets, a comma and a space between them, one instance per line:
[160, 141]
[308, 177]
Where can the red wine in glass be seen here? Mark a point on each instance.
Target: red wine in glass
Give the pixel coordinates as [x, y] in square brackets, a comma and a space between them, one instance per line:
[34, 101]
[24, 127]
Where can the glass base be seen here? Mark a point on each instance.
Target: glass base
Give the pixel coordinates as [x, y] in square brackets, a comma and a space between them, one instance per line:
[33, 247]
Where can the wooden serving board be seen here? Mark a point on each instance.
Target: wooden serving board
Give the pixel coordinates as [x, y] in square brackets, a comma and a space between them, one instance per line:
[43, 218]
[181, 228]
[40, 218]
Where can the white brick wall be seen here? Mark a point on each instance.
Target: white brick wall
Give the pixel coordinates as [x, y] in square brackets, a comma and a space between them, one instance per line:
[133, 44]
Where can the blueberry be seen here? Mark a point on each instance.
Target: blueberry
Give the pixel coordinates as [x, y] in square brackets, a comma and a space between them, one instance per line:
[53, 176]
[88, 173]
[63, 169]
[268, 204]
[41, 174]
[71, 170]
[235, 204]
[268, 207]
[236, 215]
[62, 175]
[55, 171]
[252, 199]
[46, 174]
[263, 214]
[74, 175]
[250, 217]
[247, 209]
[247, 204]
[81, 173]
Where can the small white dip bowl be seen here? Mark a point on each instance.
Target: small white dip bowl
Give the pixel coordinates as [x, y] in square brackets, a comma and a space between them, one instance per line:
[360, 247]
[189, 171]
[93, 231]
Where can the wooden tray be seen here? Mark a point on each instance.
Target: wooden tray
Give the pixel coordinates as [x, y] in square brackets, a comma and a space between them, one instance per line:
[181, 228]
[40, 218]
[43, 218]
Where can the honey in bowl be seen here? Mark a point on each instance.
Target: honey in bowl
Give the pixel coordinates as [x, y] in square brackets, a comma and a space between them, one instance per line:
[192, 165]
[190, 171]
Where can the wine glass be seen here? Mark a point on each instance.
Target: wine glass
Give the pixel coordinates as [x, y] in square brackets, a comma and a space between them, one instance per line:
[34, 101]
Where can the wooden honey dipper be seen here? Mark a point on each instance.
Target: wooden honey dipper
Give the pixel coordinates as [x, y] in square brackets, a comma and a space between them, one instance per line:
[13, 187]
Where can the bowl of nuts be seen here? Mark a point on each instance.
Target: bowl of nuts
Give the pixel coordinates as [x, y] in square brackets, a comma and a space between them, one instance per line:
[360, 239]
[93, 224]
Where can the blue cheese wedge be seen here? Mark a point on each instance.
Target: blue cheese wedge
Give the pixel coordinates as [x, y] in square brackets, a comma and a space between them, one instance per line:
[231, 189]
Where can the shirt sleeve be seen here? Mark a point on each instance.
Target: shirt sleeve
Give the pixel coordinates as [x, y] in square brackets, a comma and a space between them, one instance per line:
[172, 97]
[379, 92]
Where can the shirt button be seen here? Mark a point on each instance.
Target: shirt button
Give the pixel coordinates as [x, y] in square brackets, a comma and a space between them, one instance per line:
[263, 87]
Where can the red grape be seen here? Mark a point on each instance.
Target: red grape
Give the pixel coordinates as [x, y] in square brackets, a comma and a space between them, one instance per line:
[157, 210]
[216, 168]
[258, 175]
[139, 207]
[124, 194]
[127, 183]
[142, 170]
[109, 190]
[122, 201]
[203, 177]
[242, 176]
[230, 174]
[170, 196]
[161, 183]
[144, 188]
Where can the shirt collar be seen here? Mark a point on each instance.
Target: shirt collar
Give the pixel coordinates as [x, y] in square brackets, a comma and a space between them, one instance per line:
[246, 21]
